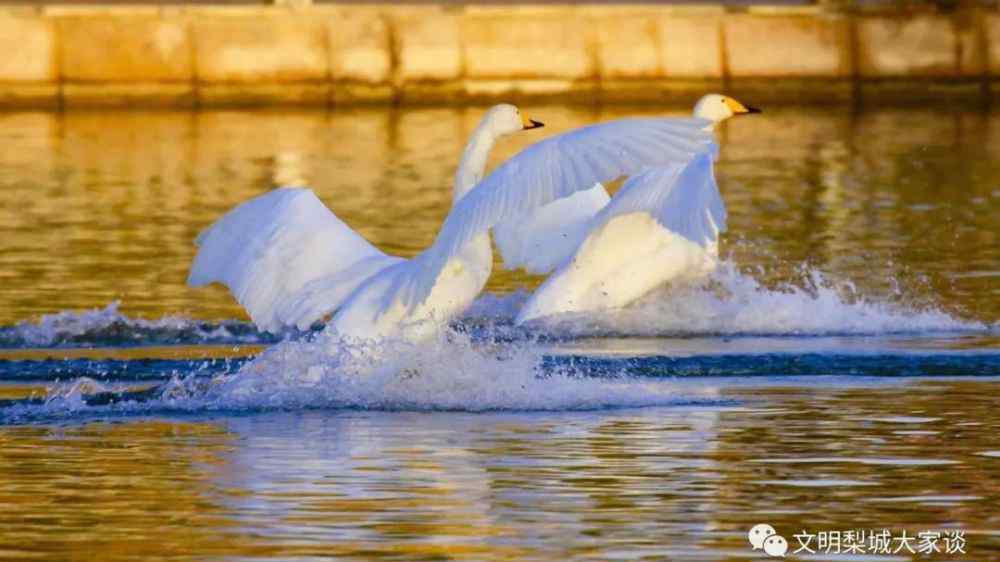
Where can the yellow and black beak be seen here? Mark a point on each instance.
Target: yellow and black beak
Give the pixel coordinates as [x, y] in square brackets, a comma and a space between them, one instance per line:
[530, 123]
[738, 108]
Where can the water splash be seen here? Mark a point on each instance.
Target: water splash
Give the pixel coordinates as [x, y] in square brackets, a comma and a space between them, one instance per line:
[109, 327]
[451, 372]
[484, 363]
[736, 304]
[730, 303]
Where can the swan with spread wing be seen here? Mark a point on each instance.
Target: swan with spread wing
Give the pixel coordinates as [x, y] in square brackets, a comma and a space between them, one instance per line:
[290, 270]
[290, 261]
[661, 226]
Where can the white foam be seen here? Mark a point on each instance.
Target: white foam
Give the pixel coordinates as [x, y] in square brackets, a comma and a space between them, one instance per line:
[733, 303]
[449, 373]
[109, 325]
[730, 303]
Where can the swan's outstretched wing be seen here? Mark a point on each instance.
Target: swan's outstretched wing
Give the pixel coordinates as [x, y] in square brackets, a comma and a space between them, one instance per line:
[685, 199]
[267, 249]
[549, 236]
[552, 169]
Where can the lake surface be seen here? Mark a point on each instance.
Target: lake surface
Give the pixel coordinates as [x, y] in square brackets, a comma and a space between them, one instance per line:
[840, 372]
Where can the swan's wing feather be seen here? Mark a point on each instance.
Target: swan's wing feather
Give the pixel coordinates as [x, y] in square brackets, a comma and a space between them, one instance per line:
[324, 295]
[267, 249]
[684, 199]
[552, 169]
[549, 235]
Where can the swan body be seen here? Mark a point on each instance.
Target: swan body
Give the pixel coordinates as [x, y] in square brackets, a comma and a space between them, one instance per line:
[290, 261]
[662, 226]
[630, 250]
[546, 238]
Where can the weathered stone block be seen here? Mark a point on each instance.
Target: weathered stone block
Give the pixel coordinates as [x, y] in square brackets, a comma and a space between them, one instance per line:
[31, 95]
[787, 46]
[355, 93]
[428, 46]
[272, 93]
[973, 46]
[28, 44]
[673, 91]
[274, 49]
[119, 94]
[628, 47]
[992, 32]
[113, 48]
[360, 49]
[524, 89]
[526, 45]
[919, 46]
[690, 46]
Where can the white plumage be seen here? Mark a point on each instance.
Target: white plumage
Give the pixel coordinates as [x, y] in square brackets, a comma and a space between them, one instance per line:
[289, 260]
[270, 248]
[550, 235]
[684, 199]
[661, 226]
[551, 169]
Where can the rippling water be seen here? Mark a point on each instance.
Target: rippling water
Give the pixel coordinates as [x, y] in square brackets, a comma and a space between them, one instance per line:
[839, 373]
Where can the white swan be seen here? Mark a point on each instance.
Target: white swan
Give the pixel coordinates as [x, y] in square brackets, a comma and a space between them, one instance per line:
[290, 261]
[391, 297]
[661, 226]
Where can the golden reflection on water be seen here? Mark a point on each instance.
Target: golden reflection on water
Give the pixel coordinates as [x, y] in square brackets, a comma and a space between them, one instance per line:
[679, 483]
[99, 206]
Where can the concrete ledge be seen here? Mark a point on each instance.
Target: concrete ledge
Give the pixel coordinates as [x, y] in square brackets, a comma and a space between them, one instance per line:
[991, 23]
[322, 54]
[428, 47]
[799, 90]
[238, 95]
[527, 46]
[787, 46]
[628, 49]
[360, 49]
[150, 94]
[922, 46]
[269, 49]
[662, 91]
[124, 49]
[28, 44]
[691, 47]
[26, 95]
[349, 93]
[530, 89]
[905, 91]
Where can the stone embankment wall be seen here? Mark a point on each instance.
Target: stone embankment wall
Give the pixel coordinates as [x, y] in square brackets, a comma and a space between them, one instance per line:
[218, 56]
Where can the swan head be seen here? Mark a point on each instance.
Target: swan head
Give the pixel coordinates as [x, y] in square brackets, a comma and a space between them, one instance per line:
[505, 119]
[717, 108]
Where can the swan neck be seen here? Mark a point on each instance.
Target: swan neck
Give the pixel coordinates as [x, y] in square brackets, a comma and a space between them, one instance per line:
[473, 164]
[699, 114]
